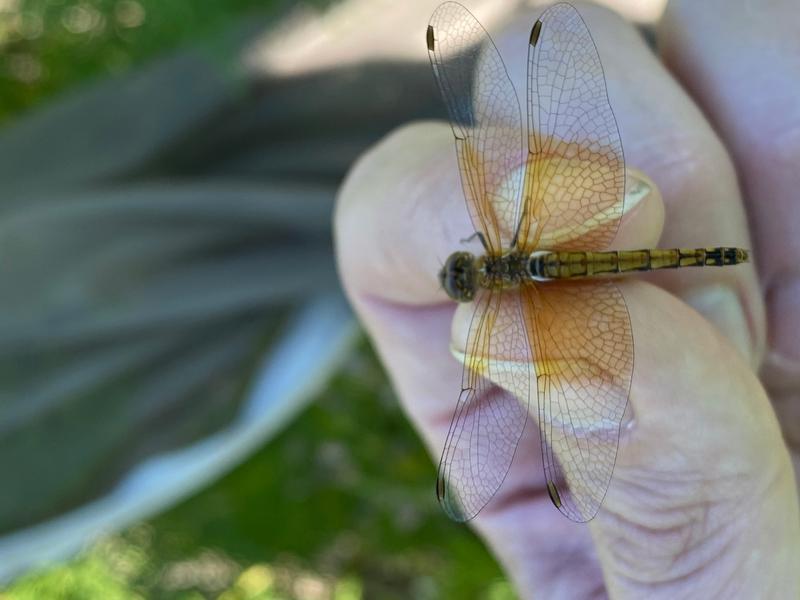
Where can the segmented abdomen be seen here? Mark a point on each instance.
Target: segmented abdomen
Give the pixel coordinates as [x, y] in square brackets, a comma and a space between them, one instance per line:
[566, 265]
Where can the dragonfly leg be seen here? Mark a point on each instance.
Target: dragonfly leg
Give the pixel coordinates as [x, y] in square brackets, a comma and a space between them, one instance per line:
[478, 235]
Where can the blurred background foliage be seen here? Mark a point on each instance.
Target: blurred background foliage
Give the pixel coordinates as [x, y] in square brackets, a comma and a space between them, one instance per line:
[48, 45]
[340, 505]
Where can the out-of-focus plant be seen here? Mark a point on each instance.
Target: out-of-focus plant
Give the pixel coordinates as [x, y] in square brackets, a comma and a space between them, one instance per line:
[340, 505]
[340, 502]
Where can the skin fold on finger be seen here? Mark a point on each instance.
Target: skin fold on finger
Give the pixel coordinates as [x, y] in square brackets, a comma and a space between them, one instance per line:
[665, 135]
[741, 61]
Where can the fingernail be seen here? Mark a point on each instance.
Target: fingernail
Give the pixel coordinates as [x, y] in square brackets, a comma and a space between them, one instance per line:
[637, 188]
[721, 305]
[783, 301]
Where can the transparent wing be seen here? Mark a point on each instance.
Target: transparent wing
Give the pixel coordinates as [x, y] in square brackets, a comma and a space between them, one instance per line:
[575, 181]
[583, 348]
[492, 409]
[486, 120]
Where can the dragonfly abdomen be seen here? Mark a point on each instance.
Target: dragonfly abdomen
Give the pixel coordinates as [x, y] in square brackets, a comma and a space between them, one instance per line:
[571, 264]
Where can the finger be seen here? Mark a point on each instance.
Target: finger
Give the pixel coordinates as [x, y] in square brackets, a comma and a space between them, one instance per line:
[666, 136]
[741, 61]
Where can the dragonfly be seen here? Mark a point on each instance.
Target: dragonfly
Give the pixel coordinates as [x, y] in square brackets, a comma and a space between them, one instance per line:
[549, 320]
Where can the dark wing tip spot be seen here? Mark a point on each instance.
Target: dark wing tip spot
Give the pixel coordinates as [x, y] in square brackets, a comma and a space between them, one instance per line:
[449, 503]
[535, 32]
[440, 489]
[430, 39]
[553, 493]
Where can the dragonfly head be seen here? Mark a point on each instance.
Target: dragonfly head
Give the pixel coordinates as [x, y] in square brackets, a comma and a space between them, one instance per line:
[458, 276]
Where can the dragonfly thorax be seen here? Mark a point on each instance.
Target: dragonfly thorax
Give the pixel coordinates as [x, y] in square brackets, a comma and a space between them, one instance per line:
[506, 271]
[463, 273]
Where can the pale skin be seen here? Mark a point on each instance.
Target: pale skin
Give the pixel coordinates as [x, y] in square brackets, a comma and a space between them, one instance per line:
[704, 498]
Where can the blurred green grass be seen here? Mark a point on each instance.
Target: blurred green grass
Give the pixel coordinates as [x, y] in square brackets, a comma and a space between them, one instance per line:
[48, 45]
[340, 505]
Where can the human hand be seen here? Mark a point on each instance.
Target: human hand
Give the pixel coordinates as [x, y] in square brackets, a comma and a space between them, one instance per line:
[703, 499]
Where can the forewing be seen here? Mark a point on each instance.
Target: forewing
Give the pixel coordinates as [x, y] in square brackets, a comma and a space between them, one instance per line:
[575, 181]
[486, 120]
[492, 409]
[583, 349]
